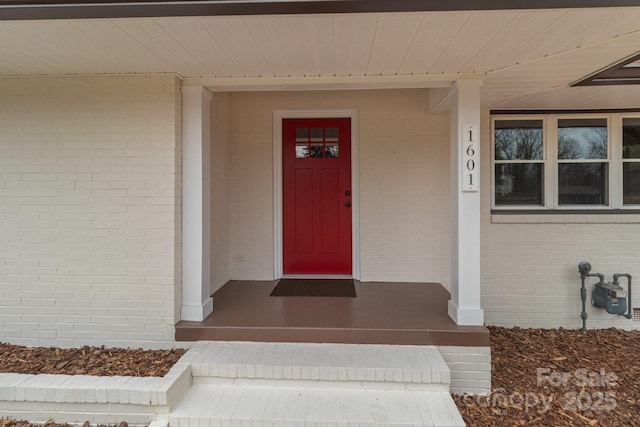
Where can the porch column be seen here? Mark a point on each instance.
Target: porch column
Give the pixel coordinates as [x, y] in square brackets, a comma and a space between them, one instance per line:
[196, 203]
[464, 306]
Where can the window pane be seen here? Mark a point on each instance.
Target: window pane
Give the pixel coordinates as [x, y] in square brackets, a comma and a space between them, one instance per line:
[582, 139]
[519, 184]
[302, 134]
[316, 134]
[331, 134]
[631, 138]
[582, 183]
[518, 140]
[631, 183]
[332, 150]
[302, 151]
[316, 150]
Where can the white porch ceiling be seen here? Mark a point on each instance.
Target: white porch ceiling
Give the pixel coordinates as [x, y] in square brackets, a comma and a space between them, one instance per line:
[528, 58]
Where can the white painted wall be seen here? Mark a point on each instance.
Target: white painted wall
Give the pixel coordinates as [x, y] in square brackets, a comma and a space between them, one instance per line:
[404, 181]
[530, 262]
[220, 122]
[89, 189]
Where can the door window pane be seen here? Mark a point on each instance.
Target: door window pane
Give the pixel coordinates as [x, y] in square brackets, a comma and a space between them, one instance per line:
[316, 134]
[519, 184]
[631, 138]
[331, 134]
[631, 183]
[302, 134]
[518, 140]
[316, 150]
[582, 183]
[332, 150]
[582, 139]
[302, 151]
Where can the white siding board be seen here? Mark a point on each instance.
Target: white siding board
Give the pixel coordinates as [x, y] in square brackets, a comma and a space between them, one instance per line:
[353, 42]
[432, 39]
[472, 36]
[392, 32]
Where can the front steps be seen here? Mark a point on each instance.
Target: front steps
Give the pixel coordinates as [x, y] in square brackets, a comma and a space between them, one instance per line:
[300, 384]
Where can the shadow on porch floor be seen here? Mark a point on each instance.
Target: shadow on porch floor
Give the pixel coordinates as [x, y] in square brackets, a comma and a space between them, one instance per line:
[382, 313]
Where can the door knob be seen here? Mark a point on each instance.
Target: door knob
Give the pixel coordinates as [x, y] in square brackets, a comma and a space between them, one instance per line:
[347, 204]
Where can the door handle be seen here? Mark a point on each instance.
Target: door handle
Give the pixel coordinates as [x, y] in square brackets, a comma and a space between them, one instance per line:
[347, 204]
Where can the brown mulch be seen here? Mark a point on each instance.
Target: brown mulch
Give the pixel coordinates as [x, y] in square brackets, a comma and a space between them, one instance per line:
[12, 422]
[97, 361]
[559, 377]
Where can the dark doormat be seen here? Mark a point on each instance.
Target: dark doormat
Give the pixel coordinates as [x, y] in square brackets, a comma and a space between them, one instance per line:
[314, 288]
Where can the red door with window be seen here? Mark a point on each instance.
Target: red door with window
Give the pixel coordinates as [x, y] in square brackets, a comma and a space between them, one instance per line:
[316, 163]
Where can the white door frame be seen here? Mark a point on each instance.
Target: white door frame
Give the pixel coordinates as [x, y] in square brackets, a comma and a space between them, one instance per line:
[278, 116]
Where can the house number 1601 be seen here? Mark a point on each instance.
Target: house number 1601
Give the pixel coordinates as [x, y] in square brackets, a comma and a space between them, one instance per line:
[469, 166]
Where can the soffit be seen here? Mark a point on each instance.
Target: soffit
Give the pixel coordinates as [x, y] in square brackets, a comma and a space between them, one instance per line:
[522, 54]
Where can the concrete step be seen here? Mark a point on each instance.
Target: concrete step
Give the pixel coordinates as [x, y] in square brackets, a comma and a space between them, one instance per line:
[221, 405]
[324, 365]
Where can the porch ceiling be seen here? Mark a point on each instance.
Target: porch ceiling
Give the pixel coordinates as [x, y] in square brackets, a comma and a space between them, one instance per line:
[528, 58]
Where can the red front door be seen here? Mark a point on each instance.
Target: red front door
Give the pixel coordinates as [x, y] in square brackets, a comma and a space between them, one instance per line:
[316, 163]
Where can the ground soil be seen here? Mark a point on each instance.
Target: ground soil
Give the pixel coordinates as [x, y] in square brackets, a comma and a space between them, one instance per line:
[559, 377]
[539, 377]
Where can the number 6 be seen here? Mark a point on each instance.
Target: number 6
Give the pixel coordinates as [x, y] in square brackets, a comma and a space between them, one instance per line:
[470, 151]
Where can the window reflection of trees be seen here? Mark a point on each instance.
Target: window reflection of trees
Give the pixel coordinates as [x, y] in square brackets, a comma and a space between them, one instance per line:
[518, 144]
[519, 183]
[582, 143]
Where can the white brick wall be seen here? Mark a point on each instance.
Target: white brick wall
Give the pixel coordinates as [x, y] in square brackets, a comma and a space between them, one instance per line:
[404, 190]
[470, 368]
[530, 262]
[88, 191]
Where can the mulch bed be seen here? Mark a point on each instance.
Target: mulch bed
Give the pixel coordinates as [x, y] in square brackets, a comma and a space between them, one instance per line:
[11, 422]
[97, 361]
[559, 377]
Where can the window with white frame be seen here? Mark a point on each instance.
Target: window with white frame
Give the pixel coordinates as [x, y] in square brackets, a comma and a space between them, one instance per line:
[631, 161]
[562, 162]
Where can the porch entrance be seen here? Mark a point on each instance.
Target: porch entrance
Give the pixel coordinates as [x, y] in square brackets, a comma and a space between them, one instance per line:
[316, 196]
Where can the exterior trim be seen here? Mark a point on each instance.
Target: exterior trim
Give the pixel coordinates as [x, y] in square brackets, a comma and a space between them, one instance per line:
[560, 112]
[52, 9]
[278, 115]
[614, 75]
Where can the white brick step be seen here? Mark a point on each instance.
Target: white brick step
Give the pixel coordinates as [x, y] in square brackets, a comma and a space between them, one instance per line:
[384, 366]
[215, 405]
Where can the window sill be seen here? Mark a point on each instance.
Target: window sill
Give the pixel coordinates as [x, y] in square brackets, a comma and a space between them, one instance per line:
[591, 216]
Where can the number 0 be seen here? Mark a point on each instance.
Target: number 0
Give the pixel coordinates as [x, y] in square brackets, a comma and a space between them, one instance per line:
[471, 165]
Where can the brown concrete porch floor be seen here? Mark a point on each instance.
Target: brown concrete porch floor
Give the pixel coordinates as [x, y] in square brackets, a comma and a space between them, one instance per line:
[382, 313]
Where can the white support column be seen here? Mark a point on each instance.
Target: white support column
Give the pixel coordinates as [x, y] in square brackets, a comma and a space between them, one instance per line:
[464, 306]
[196, 203]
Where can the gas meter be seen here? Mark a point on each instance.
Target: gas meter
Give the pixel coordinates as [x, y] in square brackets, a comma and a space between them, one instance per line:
[610, 296]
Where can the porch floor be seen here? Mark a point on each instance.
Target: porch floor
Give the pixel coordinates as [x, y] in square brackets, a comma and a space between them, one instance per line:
[381, 313]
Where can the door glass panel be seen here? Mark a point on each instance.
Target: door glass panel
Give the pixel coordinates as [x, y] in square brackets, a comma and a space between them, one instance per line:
[316, 150]
[316, 134]
[332, 150]
[331, 134]
[302, 151]
[302, 134]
